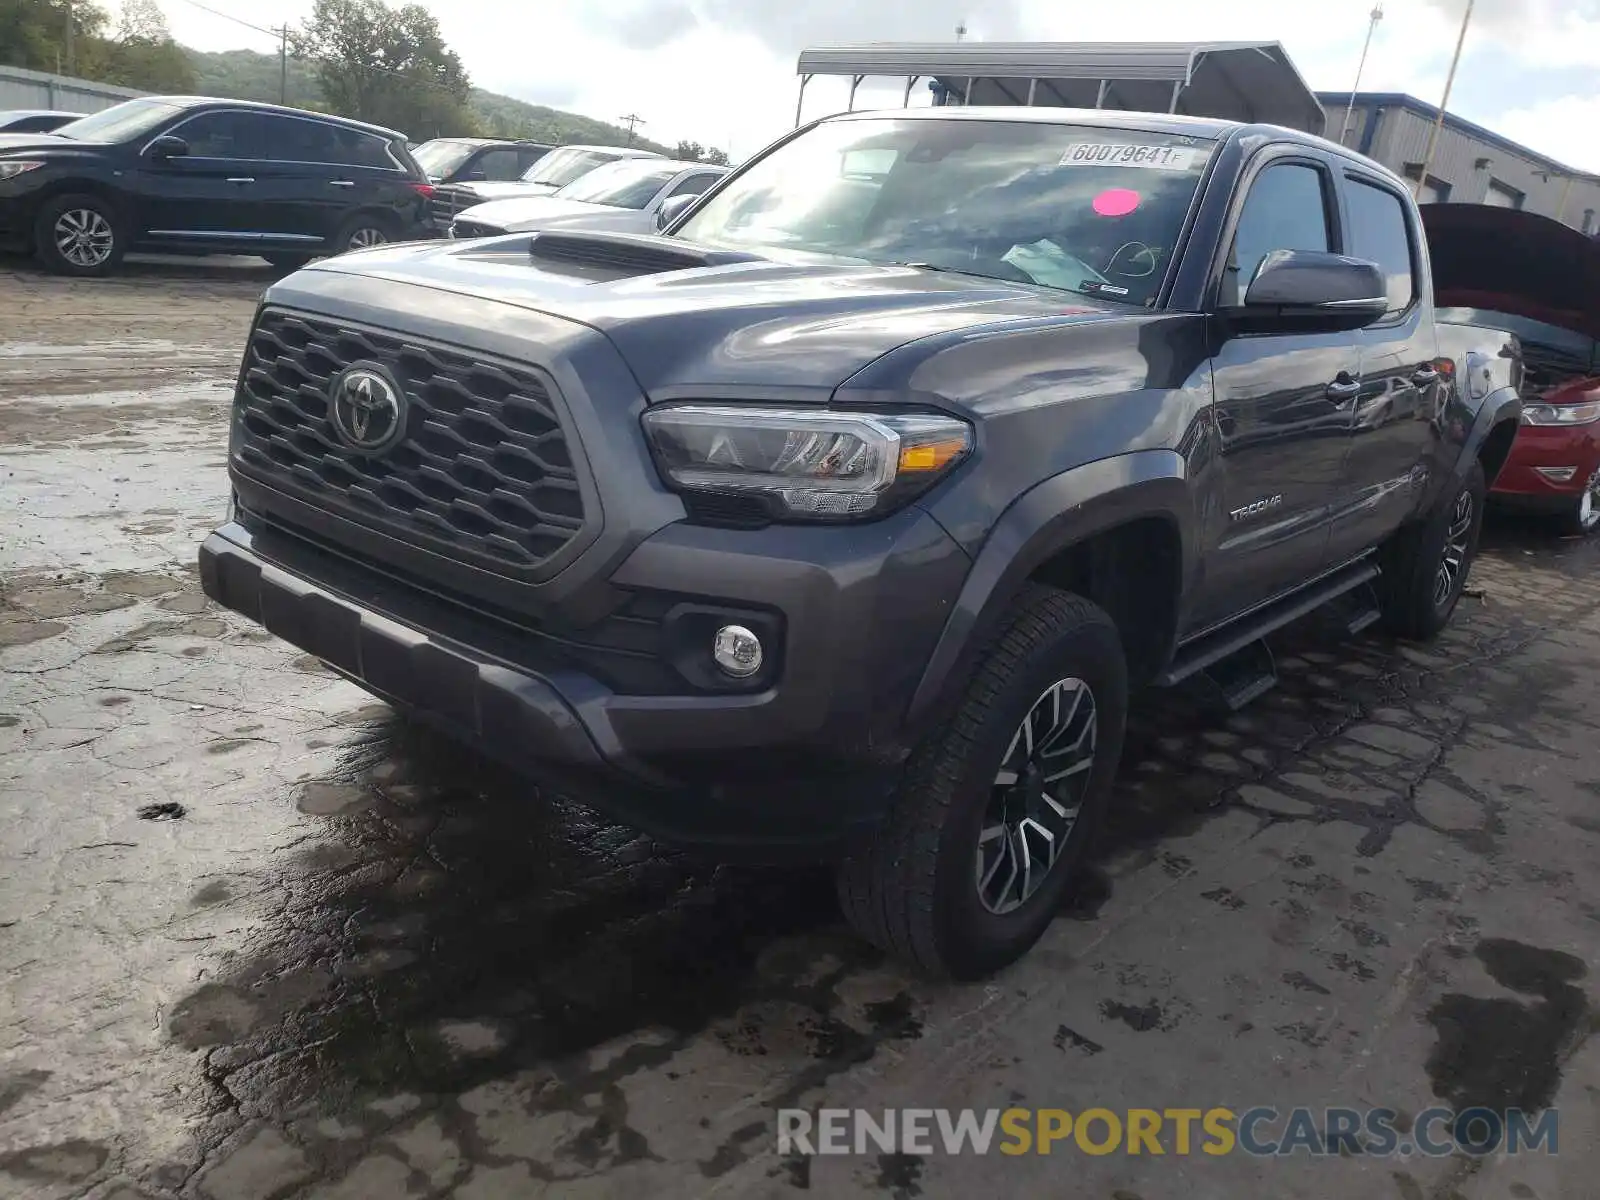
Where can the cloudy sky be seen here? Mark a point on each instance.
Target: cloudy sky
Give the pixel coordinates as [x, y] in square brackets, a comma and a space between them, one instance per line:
[722, 71]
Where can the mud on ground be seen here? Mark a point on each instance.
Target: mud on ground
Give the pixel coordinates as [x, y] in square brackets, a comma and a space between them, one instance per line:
[261, 940]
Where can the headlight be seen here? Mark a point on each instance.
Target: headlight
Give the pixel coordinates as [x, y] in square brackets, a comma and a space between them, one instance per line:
[805, 464]
[11, 168]
[1561, 414]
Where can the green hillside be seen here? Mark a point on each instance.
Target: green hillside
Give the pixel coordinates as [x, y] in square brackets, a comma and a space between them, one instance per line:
[247, 75]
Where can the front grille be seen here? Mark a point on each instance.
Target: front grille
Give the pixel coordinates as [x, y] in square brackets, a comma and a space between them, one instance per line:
[482, 473]
[446, 202]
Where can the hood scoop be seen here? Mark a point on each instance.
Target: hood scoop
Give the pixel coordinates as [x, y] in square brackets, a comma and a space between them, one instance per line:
[620, 255]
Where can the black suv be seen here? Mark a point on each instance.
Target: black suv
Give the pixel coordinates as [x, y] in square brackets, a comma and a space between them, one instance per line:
[475, 160]
[188, 174]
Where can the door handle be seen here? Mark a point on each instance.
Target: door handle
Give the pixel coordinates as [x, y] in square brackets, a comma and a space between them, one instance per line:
[1344, 388]
[1425, 377]
[341, 183]
[241, 179]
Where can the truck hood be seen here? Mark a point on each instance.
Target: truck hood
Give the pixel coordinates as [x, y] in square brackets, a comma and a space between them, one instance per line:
[763, 322]
[519, 214]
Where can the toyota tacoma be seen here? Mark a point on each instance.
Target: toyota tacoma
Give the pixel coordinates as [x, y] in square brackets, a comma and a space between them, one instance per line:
[845, 514]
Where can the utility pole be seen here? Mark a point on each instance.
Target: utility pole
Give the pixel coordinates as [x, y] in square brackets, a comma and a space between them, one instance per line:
[72, 59]
[631, 121]
[1449, 81]
[283, 63]
[1349, 109]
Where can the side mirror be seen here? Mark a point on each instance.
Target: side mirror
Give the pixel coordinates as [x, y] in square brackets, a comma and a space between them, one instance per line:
[1311, 292]
[671, 209]
[168, 146]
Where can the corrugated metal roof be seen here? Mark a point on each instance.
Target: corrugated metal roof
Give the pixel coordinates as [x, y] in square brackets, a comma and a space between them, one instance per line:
[1236, 81]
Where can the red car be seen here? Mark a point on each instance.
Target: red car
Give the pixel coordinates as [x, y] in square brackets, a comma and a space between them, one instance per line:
[1540, 280]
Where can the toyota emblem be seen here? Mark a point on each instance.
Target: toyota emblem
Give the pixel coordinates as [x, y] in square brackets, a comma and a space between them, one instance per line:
[368, 408]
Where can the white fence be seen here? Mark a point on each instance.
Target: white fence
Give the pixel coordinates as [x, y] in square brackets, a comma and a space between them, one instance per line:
[21, 88]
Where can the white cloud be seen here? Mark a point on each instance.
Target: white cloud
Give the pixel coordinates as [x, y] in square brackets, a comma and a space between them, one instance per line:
[723, 71]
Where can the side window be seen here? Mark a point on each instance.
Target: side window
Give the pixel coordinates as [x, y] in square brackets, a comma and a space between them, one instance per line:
[363, 149]
[526, 157]
[1286, 209]
[498, 164]
[692, 185]
[222, 135]
[290, 139]
[1379, 233]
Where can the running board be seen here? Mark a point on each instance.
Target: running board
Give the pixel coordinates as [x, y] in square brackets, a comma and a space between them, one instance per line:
[1245, 675]
[1212, 648]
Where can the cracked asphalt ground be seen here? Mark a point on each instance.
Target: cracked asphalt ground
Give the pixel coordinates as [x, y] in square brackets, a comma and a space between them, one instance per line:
[260, 940]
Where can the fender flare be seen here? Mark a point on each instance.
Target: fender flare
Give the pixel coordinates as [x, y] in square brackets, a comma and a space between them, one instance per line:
[1501, 405]
[1050, 517]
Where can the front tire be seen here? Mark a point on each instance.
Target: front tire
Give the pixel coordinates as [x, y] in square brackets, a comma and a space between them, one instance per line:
[1583, 518]
[79, 235]
[998, 805]
[1425, 567]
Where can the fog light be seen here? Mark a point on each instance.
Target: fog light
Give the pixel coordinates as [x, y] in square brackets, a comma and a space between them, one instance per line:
[1557, 474]
[737, 651]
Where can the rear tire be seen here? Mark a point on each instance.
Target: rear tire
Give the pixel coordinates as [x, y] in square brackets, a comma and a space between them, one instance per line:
[362, 232]
[1046, 706]
[1425, 567]
[79, 235]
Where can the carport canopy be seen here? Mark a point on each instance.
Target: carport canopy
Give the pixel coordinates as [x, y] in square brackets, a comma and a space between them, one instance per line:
[1235, 81]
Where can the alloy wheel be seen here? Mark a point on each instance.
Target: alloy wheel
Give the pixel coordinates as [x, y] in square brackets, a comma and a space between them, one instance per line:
[1453, 562]
[1036, 796]
[84, 237]
[1589, 504]
[365, 236]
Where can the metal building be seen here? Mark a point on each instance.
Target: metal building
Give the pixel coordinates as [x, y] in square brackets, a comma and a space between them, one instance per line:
[22, 88]
[1471, 164]
[1239, 81]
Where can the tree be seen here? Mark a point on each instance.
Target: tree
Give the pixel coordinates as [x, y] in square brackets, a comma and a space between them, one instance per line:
[387, 65]
[143, 55]
[33, 34]
[695, 152]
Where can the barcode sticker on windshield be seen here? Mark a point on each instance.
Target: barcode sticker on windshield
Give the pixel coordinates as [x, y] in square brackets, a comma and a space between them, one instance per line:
[1115, 154]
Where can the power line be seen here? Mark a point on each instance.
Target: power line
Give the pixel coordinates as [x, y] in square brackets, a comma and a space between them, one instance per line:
[236, 20]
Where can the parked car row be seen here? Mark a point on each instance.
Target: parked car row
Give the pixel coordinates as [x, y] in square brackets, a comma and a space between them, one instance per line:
[193, 175]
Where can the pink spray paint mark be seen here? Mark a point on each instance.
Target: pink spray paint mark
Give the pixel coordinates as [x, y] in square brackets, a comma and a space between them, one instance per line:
[1116, 202]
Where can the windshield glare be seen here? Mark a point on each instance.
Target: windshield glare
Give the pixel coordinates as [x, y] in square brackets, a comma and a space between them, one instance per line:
[561, 167]
[628, 184]
[1080, 208]
[119, 122]
[439, 157]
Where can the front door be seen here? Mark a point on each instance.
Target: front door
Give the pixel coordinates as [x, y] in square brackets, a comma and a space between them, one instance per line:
[1396, 435]
[1283, 405]
[210, 195]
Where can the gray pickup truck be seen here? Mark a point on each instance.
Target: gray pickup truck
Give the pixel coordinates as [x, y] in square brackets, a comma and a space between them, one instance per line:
[845, 516]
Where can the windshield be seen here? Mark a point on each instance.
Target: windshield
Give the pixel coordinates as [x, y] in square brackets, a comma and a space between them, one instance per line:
[631, 183]
[440, 157]
[120, 122]
[1091, 210]
[561, 167]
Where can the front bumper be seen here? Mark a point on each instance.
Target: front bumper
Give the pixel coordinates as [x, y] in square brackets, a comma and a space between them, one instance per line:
[1526, 481]
[805, 759]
